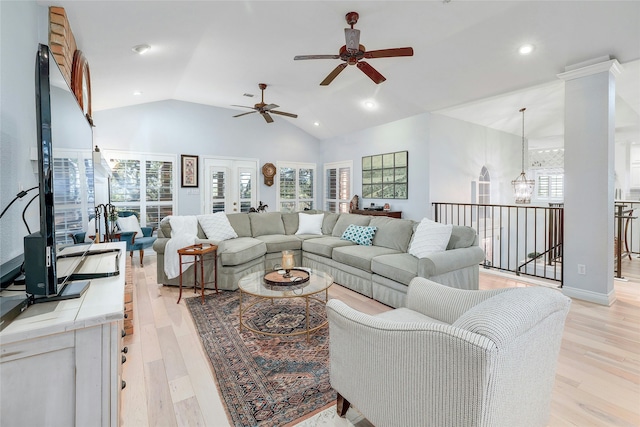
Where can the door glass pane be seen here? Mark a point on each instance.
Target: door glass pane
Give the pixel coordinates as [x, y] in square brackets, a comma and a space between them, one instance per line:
[218, 195]
[245, 182]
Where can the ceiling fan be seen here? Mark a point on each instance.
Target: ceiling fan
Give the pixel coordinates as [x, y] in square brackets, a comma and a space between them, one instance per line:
[353, 53]
[264, 109]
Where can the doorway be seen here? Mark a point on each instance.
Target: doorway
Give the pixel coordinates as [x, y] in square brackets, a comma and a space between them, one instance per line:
[230, 184]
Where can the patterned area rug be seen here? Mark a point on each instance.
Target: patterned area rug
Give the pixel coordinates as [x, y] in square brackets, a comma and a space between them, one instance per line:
[263, 380]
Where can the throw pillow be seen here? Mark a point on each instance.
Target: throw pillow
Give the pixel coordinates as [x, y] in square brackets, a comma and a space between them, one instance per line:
[217, 226]
[359, 234]
[129, 223]
[309, 224]
[430, 236]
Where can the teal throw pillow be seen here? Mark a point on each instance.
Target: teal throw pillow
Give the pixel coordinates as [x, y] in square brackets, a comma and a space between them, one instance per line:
[359, 234]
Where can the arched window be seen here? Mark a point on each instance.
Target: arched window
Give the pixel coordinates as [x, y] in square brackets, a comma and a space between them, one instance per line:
[484, 187]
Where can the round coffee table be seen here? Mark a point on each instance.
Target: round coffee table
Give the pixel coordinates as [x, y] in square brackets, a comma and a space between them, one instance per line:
[255, 285]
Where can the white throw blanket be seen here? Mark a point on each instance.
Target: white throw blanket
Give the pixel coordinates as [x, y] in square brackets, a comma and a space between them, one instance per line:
[184, 232]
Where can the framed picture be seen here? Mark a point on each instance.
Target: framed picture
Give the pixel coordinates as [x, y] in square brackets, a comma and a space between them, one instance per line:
[189, 170]
[385, 176]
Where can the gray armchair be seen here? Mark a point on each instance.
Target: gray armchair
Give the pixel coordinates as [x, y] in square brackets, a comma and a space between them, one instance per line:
[452, 357]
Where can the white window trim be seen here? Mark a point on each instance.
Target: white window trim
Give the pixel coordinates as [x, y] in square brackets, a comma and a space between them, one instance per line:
[143, 157]
[337, 165]
[297, 166]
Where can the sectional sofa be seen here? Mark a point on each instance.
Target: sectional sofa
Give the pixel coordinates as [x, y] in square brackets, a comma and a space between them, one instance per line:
[381, 271]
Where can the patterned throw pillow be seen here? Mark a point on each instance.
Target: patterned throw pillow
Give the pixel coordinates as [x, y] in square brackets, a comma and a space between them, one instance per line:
[359, 234]
[217, 226]
[430, 236]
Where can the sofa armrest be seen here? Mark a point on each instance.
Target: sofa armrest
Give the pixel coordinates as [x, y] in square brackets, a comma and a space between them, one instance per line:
[443, 302]
[160, 244]
[375, 360]
[129, 237]
[454, 259]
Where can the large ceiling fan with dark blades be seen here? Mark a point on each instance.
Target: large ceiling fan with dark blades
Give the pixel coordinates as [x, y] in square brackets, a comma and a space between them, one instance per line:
[264, 109]
[353, 52]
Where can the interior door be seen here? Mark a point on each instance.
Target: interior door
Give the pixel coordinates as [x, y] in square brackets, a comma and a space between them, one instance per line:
[230, 185]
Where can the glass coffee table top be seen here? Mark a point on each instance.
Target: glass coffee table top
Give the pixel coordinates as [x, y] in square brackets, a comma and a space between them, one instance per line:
[254, 284]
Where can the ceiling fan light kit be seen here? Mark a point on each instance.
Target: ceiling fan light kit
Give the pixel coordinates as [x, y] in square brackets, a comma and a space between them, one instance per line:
[353, 52]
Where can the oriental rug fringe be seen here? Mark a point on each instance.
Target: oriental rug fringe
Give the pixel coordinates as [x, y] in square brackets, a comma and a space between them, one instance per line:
[265, 381]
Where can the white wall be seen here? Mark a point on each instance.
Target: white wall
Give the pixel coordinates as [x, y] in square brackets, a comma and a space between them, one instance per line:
[410, 134]
[177, 127]
[459, 150]
[21, 29]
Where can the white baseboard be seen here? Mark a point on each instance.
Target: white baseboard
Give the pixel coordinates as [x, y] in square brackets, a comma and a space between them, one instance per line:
[590, 296]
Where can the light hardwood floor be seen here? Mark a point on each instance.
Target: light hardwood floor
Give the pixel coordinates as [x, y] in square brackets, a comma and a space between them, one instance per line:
[170, 381]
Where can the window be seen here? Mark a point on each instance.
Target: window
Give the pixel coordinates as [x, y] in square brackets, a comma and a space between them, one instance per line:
[144, 184]
[296, 186]
[484, 187]
[72, 178]
[550, 186]
[338, 188]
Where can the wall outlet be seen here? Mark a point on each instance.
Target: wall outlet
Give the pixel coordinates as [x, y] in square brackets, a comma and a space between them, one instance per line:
[582, 269]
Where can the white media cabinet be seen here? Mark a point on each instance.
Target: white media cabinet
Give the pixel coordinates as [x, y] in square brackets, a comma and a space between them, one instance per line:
[61, 361]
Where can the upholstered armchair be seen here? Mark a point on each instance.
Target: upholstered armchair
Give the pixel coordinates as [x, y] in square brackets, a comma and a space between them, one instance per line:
[138, 238]
[451, 357]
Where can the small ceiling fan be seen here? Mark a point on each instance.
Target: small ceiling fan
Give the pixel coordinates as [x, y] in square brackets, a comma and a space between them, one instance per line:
[263, 108]
[353, 53]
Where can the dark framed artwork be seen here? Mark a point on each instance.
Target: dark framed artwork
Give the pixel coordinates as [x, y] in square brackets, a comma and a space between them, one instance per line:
[386, 176]
[189, 170]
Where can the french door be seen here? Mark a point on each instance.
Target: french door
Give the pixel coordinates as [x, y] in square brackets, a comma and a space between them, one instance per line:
[230, 185]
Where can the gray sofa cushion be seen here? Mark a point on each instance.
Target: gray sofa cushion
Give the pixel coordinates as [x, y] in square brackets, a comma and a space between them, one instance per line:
[399, 267]
[392, 233]
[324, 245]
[347, 219]
[240, 223]
[290, 221]
[280, 242]
[263, 224]
[461, 237]
[240, 250]
[329, 221]
[359, 256]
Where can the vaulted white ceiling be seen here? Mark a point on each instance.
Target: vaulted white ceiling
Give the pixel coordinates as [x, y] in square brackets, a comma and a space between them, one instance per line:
[465, 64]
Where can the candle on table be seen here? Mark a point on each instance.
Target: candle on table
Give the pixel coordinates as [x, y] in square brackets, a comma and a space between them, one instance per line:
[287, 260]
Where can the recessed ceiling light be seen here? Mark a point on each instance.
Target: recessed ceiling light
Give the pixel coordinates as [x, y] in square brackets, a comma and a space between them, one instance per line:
[369, 104]
[137, 93]
[316, 123]
[141, 49]
[526, 49]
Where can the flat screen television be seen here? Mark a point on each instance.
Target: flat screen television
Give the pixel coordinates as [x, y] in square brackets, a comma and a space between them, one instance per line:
[54, 119]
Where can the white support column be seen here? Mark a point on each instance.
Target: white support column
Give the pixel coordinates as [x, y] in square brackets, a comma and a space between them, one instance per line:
[589, 180]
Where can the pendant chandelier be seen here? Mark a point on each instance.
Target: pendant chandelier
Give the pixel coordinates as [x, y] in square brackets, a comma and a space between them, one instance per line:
[523, 187]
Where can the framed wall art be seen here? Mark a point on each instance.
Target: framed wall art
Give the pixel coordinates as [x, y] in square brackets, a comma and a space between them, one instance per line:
[386, 176]
[189, 170]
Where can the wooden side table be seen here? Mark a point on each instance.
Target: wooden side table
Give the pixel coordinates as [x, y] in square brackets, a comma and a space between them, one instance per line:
[199, 253]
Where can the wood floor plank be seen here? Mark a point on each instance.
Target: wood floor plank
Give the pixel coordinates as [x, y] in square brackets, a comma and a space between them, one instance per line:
[159, 403]
[171, 353]
[597, 378]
